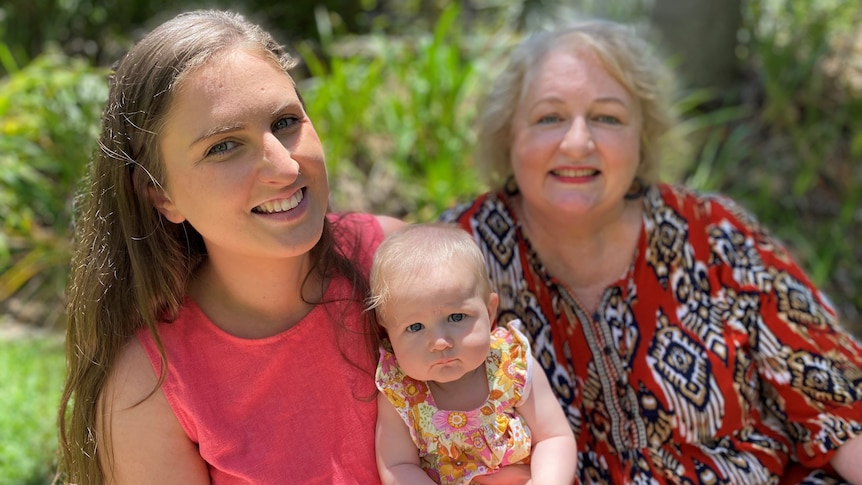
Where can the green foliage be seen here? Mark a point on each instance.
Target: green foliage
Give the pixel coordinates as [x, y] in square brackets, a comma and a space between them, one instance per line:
[790, 151]
[7, 60]
[32, 371]
[101, 30]
[49, 114]
[395, 118]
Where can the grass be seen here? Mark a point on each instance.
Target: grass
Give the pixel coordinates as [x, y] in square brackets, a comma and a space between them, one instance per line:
[31, 372]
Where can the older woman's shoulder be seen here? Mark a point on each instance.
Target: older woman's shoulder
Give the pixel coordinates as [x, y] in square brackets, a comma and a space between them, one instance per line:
[490, 202]
[716, 216]
[704, 206]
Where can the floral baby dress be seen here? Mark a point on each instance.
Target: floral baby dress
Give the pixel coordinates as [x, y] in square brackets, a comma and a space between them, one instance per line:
[457, 446]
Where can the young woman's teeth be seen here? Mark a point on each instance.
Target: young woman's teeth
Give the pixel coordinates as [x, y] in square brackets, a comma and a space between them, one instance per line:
[280, 205]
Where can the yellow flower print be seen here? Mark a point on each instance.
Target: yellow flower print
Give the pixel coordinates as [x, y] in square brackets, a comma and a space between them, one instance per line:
[456, 467]
[395, 398]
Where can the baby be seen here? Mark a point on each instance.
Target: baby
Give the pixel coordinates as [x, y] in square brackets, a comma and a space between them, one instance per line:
[458, 401]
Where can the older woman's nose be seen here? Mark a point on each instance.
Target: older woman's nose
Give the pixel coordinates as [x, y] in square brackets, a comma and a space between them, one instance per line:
[578, 139]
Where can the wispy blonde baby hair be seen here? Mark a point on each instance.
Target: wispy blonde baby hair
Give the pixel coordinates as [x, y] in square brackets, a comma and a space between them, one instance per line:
[406, 255]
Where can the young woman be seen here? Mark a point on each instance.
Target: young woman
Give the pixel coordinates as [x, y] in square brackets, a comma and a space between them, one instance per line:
[215, 331]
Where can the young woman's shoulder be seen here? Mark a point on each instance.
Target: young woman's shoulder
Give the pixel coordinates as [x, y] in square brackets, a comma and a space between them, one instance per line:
[139, 435]
[389, 224]
[359, 223]
[131, 380]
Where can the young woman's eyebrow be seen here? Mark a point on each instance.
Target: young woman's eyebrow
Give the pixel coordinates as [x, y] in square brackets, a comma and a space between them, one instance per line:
[218, 130]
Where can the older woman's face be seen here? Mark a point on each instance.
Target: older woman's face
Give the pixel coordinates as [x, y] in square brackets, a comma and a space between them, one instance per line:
[576, 138]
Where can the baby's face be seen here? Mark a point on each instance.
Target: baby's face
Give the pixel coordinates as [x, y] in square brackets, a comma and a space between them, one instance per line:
[439, 325]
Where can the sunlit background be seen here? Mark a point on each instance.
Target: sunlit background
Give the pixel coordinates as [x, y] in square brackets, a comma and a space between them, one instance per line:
[771, 100]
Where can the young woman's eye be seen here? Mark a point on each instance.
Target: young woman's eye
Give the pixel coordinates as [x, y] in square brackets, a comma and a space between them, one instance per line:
[415, 327]
[456, 317]
[221, 148]
[285, 123]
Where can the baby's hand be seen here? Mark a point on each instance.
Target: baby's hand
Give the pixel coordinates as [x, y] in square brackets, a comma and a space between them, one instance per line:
[508, 475]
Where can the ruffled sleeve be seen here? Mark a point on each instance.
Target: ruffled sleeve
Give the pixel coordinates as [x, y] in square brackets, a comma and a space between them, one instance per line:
[511, 374]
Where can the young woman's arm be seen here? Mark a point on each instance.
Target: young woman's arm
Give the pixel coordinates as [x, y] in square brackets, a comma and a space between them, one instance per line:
[397, 456]
[140, 439]
[554, 456]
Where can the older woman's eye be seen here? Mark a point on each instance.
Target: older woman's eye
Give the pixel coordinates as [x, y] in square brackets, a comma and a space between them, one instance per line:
[548, 119]
[608, 119]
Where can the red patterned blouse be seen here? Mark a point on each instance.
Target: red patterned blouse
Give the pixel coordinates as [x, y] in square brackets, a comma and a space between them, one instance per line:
[713, 359]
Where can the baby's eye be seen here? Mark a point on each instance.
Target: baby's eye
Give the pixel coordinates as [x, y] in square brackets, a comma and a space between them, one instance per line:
[221, 148]
[415, 327]
[456, 317]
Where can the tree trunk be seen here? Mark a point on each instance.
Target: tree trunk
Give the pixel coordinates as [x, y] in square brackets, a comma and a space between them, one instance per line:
[701, 36]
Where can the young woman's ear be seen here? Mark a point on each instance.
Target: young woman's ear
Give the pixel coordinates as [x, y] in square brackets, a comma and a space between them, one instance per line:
[163, 203]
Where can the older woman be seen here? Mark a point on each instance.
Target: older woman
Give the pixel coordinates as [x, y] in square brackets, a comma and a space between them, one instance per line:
[683, 342]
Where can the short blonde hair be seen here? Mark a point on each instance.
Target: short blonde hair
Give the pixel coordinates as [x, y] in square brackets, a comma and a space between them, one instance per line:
[627, 58]
[408, 253]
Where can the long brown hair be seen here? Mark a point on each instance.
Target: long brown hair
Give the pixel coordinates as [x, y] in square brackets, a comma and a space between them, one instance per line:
[130, 267]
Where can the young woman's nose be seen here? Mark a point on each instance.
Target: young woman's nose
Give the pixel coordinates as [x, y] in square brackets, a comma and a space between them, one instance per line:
[277, 164]
[578, 139]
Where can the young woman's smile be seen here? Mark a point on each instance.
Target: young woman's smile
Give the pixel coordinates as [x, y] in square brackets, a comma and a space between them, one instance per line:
[244, 165]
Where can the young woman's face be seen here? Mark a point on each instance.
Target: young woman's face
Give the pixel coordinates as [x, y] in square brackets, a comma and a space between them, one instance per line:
[438, 324]
[576, 137]
[243, 163]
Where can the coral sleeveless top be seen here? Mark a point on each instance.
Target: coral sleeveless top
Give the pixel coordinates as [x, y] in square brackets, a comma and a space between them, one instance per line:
[285, 409]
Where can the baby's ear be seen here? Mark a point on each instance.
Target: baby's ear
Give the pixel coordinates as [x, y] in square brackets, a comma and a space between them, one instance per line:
[493, 303]
[163, 203]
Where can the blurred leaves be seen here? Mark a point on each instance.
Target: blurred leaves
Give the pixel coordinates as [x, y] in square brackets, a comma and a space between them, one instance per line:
[396, 113]
[49, 113]
[787, 145]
